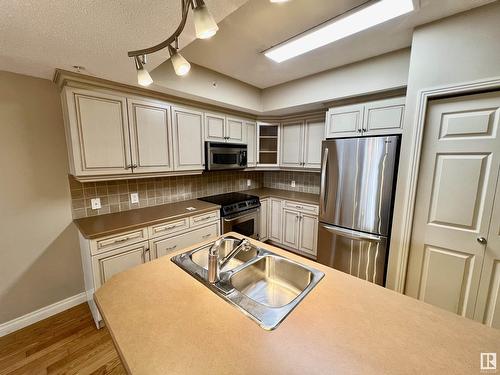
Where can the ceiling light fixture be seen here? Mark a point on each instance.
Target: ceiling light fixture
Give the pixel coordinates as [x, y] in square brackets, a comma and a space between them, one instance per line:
[339, 28]
[205, 27]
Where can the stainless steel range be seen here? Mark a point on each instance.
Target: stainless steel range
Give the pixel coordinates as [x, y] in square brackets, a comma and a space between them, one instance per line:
[239, 213]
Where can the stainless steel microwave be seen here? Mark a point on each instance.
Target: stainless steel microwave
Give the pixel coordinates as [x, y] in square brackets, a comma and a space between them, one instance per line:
[220, 156]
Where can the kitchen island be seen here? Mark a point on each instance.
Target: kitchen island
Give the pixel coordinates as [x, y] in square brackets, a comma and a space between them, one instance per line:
[162, 321]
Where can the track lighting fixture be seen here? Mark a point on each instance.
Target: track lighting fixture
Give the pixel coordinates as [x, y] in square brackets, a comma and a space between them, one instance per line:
[205, 27]
[143, 77]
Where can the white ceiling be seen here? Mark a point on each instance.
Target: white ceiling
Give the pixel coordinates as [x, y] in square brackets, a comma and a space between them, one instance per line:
[236, 50]
[38, 36]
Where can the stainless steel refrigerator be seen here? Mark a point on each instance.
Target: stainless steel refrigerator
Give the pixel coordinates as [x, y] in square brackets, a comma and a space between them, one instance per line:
[356, 199]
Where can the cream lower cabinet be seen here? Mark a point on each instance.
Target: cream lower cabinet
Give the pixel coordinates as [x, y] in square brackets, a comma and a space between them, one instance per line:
[264, 220]
[104, 257]
[275, 214]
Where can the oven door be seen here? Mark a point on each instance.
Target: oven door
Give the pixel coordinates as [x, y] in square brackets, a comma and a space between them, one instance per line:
[245, 223]
[222, 156]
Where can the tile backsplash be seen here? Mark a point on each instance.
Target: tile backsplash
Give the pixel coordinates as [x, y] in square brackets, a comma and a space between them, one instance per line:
[305, 182]
[115, 195]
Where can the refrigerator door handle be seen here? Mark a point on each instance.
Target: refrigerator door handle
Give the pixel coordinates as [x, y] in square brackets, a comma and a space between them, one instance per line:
[324, 165]
[352, 234]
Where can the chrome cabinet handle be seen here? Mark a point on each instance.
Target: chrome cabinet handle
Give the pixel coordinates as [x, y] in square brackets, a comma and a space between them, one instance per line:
[134, 166]
[128, 166]
[482, 240]
[360, 130]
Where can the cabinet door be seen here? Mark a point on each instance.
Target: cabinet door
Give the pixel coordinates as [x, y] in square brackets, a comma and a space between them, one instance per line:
[167, 245]
[344, 121]
[308, 234]
[291, 228]
[251, 128]
[264, 211]
[150, 136]
[384, 117]
[110, 263]
[98, 133]
[275, 219]
[314, 134]
[235, 130]
[292, 139]
[215, 127]
[188, 139]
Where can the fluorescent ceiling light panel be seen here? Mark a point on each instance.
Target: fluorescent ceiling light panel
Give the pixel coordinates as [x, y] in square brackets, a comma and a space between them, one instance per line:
[336, 29]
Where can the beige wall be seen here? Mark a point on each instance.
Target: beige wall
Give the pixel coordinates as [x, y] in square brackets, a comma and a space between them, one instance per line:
[40, 259]
[454, 50]
[380, 73]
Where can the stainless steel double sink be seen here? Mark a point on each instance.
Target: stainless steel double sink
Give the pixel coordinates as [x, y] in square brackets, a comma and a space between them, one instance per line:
[263, 285]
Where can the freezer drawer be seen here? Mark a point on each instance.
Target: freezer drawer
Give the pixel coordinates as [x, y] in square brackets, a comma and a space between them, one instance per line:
[360, 254]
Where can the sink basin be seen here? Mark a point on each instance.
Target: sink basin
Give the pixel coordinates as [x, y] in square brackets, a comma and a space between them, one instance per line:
[263, 285]
[200, 257]
[272, 281]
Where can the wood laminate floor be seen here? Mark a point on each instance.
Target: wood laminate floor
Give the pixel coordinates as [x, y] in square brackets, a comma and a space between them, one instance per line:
[66, 343]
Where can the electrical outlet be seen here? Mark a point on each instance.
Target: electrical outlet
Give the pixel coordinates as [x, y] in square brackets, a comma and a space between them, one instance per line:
[249, 182]
[96, 203]
[293, 183]
[134, 198]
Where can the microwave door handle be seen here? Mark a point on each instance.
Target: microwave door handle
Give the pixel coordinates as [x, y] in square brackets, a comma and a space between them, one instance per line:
[324, 176]
[352, 234]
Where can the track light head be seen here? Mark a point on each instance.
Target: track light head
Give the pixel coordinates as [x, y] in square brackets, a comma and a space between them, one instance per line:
[143, 77]
[204, 24]
[180, 64]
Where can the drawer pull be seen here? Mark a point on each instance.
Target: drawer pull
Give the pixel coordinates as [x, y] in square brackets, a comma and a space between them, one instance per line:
[299, 207]
[204, 218]
[122, 239]
[206, 235]
[171, 247]
[168, 227]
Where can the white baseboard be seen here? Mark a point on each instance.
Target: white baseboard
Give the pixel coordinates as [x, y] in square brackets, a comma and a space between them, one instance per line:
[40, 314]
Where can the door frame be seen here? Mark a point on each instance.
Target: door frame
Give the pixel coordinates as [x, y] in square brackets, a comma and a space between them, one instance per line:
[400, 245]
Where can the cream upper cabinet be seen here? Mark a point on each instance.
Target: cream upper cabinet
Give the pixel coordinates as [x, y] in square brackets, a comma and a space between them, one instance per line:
[308, 234]
[188, 139]
[235, 130]
[384, 117]
[290, 228]
[251, 130]
[344, 121]
[377, 117]
[151, 141]
[215, 127]
[313, 136]
[292, 140]
[450, 243]
[275, 208]
[264, 225]
[97, 132]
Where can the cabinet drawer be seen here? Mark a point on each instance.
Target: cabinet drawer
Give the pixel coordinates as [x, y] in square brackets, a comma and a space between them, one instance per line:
[117, 240]
[169, 227]
[302, 207]
[168, 245]
[196, 221]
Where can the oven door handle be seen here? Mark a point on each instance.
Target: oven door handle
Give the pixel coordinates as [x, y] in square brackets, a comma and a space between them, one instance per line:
[239, 217]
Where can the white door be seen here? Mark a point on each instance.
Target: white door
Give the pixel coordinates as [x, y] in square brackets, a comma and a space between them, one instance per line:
[235, 130]
[292, 140]
[344, 121]
[251, 128]
[291, 228]
[264, 211]
[488, 300]
[275, 219]
[99, 132]
[215, 126]
[314, 135]
[150, 136]
[384, 117]
[459, 164]
[308, 234]
[112, 262]
[188, 139]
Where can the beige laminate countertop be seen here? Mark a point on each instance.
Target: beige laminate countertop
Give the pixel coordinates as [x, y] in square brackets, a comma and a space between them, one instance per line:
[163, 321]
[103, 225]
[284, 194]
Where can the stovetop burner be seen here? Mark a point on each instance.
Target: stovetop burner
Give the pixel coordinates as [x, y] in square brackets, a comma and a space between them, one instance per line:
[232, 203]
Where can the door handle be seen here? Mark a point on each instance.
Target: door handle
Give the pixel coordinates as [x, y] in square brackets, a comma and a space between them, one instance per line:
[482, 240]
[324, 165]
[352, 234]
